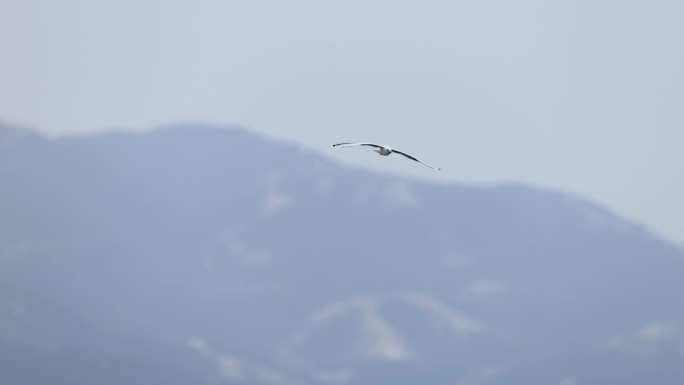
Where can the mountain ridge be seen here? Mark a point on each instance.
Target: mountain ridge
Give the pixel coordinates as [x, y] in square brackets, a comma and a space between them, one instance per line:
[234, 258]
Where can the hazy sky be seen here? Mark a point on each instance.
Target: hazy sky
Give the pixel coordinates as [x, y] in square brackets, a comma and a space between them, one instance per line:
[585, 96]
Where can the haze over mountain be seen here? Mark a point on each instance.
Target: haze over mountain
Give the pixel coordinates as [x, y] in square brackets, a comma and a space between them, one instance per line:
[199, 254]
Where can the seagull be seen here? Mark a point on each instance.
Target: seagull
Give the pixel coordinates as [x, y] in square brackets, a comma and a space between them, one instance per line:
[383, 150]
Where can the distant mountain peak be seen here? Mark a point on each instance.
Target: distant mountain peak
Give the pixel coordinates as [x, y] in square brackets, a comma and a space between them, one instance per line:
[12, 133]
[275, 264]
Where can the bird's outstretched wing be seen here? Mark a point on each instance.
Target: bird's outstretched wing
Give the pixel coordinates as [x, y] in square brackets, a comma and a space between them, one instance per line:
[356, 144]
[414, 159]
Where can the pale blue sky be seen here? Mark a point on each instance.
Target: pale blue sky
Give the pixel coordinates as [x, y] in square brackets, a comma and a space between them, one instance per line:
[584, 96]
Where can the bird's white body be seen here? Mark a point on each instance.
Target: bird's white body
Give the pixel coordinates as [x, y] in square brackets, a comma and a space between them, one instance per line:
[382, 150]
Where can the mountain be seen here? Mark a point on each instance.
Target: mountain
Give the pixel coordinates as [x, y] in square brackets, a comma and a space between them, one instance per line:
[206, 255]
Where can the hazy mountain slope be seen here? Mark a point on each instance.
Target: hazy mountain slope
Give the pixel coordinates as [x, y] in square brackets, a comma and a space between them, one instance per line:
[211, 255]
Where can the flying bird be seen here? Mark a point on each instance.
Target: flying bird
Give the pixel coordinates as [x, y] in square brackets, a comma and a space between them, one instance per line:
[383, 150]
